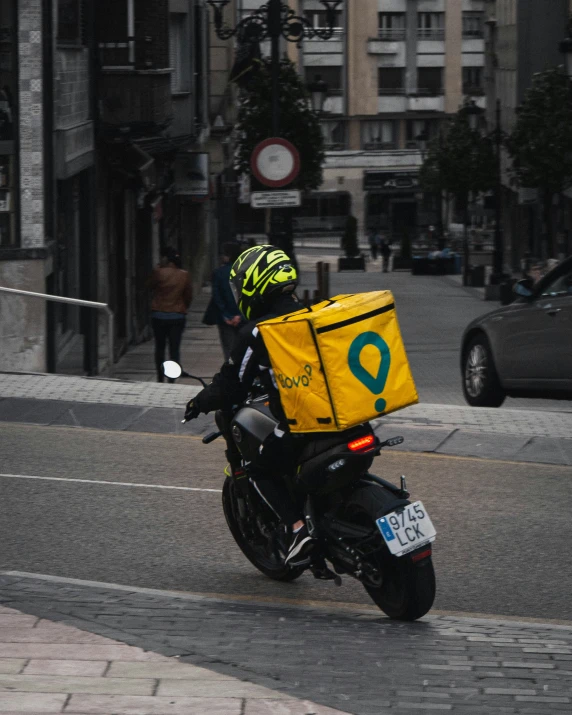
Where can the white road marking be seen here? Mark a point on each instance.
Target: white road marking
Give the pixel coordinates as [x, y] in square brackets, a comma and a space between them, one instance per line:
[116, 484]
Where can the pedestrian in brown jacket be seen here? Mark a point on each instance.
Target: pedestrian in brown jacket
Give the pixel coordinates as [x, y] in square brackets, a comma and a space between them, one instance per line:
[172, 296]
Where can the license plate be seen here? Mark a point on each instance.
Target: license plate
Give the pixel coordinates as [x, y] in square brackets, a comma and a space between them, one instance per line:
[407, 529]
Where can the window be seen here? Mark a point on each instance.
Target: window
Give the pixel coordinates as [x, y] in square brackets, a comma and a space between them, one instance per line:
[319, 20]
[419, 127]
[390, 80]
[381, 134]
[332, 76]
[430, 80]
[69, 22]
[473, 24]
[431, 25]
[391, 25]
[334, 135]
[179, 52]
[560, 286]
[473, 81]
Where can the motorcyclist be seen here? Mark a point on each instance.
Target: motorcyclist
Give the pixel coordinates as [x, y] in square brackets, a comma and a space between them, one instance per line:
[263, 280]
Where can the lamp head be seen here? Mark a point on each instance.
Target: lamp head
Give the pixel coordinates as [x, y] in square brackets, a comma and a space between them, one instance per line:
[473, 113]
[566, 49]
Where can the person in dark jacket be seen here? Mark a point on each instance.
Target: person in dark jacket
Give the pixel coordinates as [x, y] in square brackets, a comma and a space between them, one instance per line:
[227, 314]
[172, 296]
[263, 280]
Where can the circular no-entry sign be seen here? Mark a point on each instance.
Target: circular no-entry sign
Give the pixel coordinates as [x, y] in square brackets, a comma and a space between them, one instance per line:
[275, 162]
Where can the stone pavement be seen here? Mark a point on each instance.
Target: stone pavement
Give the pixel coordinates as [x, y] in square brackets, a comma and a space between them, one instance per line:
[222, 656]
[50, 667]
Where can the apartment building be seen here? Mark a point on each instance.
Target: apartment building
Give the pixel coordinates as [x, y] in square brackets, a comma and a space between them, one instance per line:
[395, 69]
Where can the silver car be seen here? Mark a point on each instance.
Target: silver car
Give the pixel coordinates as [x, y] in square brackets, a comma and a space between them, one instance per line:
[523, 349]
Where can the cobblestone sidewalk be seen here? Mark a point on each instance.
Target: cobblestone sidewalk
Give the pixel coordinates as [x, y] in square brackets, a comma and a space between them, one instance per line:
[48, 667]
[349, 658]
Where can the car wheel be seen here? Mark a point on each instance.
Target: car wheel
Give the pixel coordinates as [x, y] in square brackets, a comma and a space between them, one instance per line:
[481, 385]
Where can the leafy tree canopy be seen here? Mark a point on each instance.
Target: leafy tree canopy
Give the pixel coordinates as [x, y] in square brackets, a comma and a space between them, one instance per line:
[460, 162]
[541, 142]
[298, 123]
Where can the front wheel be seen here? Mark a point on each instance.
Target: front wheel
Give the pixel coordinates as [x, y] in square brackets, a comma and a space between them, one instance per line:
[481, 384]
[408, 589]
[260, 539]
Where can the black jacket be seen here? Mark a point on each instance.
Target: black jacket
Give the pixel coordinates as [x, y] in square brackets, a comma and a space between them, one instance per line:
[248, 360]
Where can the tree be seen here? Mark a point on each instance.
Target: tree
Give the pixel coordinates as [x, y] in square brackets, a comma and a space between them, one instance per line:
[540, 144]
[298, 123]
[461, 162]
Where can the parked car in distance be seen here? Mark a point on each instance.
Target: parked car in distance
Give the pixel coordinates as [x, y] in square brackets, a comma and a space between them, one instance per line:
[523, 349]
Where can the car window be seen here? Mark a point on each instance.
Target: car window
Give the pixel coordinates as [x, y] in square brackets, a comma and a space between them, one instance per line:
[560, 286]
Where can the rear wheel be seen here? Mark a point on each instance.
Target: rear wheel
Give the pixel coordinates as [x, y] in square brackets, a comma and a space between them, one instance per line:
[261, 540]
[407, 589]
[481, 385]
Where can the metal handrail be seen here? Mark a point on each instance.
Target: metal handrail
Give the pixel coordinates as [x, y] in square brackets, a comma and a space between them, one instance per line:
[86, 304]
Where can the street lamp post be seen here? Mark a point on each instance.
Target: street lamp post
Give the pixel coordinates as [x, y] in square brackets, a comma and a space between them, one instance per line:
[275, 20]
[473, 114]
[497, 275]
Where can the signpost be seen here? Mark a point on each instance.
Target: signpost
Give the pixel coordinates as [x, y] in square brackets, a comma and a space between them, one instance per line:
[274, 199]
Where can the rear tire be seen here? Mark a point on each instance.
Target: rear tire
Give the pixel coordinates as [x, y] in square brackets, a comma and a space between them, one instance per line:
[408, 589]
[481, 384]
[266, 559]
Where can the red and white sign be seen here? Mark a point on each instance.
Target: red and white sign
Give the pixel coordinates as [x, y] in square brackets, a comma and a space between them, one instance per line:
[275, 162]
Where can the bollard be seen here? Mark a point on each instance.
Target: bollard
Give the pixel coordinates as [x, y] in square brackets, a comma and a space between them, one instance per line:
[326, 281]
[317, 297]
[319, 277]
[306, 298]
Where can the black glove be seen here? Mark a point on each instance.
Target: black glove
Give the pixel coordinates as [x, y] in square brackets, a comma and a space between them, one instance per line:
[192, 410]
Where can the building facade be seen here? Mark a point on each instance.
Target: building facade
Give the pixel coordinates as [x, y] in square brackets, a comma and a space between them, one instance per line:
[395, 69]
[111, 143]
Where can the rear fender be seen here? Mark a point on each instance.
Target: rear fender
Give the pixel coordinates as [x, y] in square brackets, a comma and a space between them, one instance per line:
[376, 502]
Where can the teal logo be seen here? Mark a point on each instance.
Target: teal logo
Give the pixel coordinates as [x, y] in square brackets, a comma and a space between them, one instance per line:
[374, 383]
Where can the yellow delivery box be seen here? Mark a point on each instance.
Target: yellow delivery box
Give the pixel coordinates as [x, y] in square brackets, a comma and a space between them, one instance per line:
[339, 363]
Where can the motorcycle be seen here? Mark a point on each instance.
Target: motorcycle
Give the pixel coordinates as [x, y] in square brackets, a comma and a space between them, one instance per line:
[365, 527]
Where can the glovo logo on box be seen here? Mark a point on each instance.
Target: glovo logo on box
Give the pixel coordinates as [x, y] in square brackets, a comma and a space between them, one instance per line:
[374, 383]
[300, 380]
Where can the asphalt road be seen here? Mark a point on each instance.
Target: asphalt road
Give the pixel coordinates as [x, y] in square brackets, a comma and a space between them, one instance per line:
[503, 528]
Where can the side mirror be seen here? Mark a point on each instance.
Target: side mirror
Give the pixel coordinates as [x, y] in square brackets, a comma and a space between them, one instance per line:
[172, 369]
[524, 287]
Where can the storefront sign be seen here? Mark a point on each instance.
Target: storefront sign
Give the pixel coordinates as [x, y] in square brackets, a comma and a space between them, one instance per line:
[390, 181]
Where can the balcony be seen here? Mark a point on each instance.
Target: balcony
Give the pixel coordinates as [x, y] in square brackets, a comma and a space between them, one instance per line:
[391, 34]
[391, 102]
[432, 34]
[140, 100]
[425, 100]
[379, 146]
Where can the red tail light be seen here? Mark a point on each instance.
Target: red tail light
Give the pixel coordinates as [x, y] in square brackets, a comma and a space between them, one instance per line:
[422, 555]
[357, 445]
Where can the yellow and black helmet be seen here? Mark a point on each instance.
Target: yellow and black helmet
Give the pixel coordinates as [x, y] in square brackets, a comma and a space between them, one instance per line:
[258, 275]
